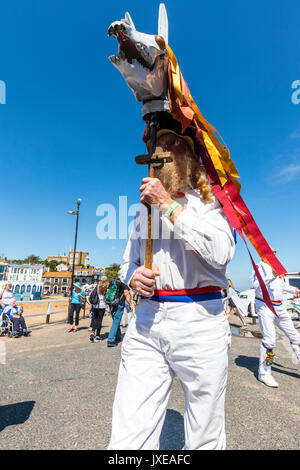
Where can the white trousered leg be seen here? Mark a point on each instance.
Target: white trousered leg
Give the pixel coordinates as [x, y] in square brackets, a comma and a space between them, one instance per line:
[267, 322]
[165, 339]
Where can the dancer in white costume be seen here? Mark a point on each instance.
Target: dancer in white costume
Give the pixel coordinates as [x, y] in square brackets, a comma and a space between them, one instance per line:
[180, 327]
[267, 320]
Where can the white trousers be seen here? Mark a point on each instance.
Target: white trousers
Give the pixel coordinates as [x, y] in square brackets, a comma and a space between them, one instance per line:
[267, 322]
[189, 340]
[127, 313]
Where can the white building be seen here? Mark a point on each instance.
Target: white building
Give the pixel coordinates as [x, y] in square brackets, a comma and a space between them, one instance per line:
[25, 277]
[62, 267]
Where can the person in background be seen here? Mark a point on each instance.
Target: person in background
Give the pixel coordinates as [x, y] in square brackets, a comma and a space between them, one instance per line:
[78, 300]
[234, 305]
[6, 295]
[98, 308]
[128, 311]
[122, 295]
[267, 320]
[14, 313]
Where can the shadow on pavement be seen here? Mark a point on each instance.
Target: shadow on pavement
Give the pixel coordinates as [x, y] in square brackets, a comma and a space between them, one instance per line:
[104, 336]
[172, 435]
[14, 414]
[251, 363]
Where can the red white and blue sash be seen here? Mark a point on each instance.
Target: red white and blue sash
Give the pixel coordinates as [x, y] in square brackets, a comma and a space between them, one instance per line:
[200, 294]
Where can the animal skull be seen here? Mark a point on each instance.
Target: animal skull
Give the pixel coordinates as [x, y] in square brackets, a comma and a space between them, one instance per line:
[143, 59]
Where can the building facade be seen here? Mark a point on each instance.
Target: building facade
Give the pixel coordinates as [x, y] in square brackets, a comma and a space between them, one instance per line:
[2, 270]
[59, 258]
[24, 278]
[57, 283]
[81, 258]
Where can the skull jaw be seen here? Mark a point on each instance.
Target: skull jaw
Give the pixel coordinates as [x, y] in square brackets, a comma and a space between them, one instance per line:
[146, 84]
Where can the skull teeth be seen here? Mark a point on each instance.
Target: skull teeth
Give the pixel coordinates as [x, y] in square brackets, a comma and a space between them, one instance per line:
[114, 59]
[114, 28]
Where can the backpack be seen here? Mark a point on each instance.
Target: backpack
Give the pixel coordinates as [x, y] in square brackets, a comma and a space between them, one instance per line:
[94, 298]
[81, 298]
[112, 297]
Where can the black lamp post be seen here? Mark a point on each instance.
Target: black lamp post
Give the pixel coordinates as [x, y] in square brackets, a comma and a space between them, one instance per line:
[75, 242]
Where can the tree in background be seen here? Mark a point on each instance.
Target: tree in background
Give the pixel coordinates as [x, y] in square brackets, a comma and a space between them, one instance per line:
[112, 271]
[33, 259]
[51, 265]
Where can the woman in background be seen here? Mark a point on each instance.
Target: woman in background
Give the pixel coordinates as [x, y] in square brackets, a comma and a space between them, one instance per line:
[98, 310]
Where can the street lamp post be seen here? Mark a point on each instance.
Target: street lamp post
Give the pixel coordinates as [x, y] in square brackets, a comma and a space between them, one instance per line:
[75, 242]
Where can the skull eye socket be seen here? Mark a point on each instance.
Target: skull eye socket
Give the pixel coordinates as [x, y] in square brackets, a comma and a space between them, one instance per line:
[160, 42]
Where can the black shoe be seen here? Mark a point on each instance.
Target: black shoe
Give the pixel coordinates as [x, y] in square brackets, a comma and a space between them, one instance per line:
[92, 336]
[118, 340]
[111, 344]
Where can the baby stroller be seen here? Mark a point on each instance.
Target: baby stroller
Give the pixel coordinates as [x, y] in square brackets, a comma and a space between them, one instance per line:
[6, 327]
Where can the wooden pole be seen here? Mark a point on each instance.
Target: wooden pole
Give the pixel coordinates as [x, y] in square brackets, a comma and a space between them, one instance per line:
[148, 256]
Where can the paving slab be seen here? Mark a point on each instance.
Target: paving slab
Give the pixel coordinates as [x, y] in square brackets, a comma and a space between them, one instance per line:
[57, 391]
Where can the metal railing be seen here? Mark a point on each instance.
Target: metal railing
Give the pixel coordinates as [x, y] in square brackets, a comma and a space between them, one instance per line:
[48, 313]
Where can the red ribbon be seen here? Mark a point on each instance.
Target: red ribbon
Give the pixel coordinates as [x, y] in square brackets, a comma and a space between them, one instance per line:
[196, 290]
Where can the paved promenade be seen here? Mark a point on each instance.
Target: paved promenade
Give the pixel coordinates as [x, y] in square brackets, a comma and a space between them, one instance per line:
[57, 391]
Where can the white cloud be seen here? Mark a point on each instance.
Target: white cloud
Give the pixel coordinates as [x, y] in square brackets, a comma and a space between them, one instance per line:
[295, 135]
[289, 173]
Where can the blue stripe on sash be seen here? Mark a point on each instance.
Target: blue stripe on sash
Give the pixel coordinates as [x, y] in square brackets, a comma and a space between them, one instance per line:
[186, 298]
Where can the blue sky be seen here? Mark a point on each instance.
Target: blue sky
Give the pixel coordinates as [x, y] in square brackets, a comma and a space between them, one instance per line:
[71, 127]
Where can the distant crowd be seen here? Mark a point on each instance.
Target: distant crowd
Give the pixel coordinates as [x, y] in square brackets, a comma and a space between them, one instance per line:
[115, 297]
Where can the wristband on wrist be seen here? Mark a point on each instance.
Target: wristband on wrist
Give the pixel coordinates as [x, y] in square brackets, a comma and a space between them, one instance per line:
[171, 208]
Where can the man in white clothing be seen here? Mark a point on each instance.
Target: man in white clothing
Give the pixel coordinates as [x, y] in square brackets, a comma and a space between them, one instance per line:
[267, 320]
[179, 327]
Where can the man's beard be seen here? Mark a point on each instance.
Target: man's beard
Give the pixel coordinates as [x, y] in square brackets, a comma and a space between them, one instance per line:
[180, 175]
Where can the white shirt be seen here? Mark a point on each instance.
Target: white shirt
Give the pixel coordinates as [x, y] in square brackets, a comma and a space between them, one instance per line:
[101, 303]
[276, 286]
[12, 310]
[6, 297]
[194, 252]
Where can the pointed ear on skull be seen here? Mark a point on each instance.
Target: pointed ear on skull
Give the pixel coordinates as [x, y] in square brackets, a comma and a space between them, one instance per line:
[128, 20]
[163, 29]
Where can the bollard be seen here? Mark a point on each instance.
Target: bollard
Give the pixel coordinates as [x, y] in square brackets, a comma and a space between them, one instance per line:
[48, 313]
